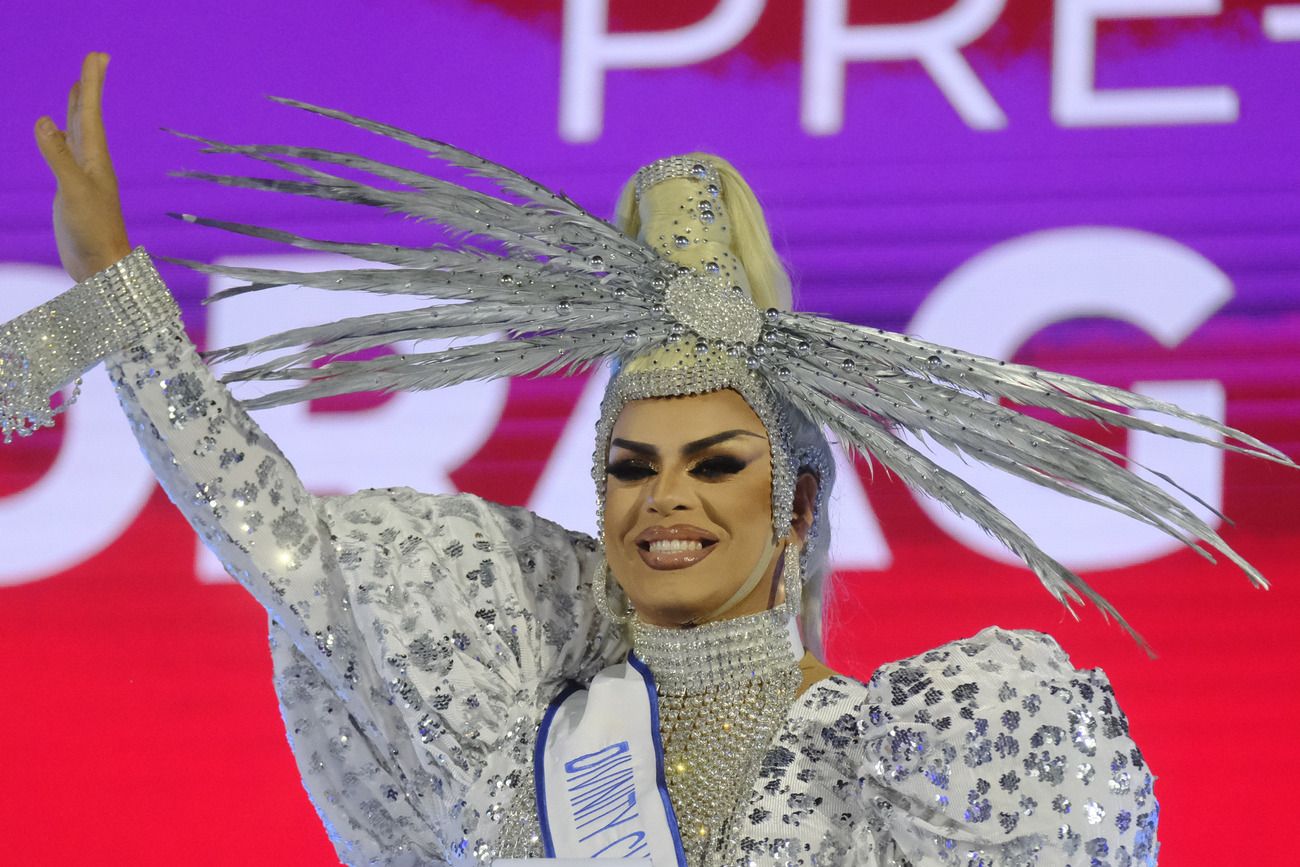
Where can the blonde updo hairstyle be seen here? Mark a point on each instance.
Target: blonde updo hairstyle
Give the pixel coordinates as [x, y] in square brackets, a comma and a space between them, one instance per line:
[770, 286]
[751, 242]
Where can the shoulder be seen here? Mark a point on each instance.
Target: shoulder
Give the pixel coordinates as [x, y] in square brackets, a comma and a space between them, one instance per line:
[1021, 675]
[376, 505]
[999, 738]
[1036, 647]
[449, 526]
[963, 670]
[1004, 694]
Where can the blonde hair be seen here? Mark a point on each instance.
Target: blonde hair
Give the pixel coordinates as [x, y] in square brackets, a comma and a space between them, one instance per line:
[770, 286]
[751, 242]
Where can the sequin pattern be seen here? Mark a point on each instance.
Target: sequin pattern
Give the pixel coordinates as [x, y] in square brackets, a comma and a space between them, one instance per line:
[417, 639]
[55, 343]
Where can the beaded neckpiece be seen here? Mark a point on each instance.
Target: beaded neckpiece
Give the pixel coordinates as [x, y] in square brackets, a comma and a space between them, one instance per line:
[722, 653]
[724, 690]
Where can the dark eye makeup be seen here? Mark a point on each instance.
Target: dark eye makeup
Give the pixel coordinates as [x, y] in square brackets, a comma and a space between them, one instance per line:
[630, 470]
[718, 466]
[715, 467]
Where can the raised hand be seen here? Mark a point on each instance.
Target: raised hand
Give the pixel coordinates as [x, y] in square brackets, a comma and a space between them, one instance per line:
[88, 221]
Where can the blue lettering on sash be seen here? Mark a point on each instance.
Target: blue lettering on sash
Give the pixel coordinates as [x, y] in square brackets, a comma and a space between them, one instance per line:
[594, 777]
[635, 842]
[587, 760]
[623, 810]
[602, 792]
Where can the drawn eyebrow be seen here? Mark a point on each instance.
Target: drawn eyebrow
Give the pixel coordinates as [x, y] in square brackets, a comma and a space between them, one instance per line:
[634, 446]
[691, 448]
[702, 444]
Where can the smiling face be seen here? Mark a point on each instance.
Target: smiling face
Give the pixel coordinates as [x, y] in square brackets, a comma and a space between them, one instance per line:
[688, 505]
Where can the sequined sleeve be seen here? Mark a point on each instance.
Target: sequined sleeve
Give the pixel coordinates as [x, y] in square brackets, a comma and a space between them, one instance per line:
[474, 614]
[994, 749]
[416, 638]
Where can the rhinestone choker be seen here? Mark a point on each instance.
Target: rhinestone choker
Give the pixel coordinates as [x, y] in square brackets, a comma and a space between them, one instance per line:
[719, 654]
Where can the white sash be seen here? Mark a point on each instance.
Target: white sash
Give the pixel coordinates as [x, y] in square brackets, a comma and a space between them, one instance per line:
[599, 767]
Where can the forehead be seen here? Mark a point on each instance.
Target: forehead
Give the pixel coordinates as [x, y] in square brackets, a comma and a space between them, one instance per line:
[665, 421]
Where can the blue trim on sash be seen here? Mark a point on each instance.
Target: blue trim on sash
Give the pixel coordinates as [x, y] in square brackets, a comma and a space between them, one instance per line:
[539, 765]
[655, 738]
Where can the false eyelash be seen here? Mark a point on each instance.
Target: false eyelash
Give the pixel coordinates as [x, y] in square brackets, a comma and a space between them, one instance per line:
[722, 465]
[630, 470]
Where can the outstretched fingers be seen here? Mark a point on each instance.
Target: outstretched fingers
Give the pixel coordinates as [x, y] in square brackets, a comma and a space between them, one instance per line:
[72, 123]
[55, 150]
[87, 212]
[81, 145]
[89, 121]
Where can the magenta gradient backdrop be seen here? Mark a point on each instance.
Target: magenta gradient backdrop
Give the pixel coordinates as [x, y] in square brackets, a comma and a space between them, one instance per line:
[139, 721]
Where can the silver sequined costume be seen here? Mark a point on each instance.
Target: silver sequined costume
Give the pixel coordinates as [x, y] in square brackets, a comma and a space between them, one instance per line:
[417, 640]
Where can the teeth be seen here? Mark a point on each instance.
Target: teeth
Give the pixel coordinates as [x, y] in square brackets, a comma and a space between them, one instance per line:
[672, 546]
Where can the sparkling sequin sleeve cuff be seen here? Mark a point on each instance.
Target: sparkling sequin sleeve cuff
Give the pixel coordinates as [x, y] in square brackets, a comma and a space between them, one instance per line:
[54, 344]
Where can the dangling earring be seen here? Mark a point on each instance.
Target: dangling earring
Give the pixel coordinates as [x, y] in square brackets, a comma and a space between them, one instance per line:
[792, 577]
[600, 590]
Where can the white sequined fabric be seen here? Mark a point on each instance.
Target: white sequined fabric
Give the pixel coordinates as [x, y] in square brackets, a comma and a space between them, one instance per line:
[417, 640]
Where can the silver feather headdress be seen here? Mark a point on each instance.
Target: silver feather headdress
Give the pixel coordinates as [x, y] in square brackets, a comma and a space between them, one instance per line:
[557, 290]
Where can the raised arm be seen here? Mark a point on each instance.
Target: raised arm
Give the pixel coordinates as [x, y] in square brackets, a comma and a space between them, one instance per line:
[240, 494]
[87, 211]
[49, 347]
[427, 632]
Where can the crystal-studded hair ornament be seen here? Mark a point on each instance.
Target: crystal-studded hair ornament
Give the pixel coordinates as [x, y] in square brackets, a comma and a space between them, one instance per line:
[676, 167]
[556, 290]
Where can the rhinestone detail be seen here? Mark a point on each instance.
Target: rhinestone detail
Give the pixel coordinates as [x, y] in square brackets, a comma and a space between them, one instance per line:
[54, 344]
[675, 167]
[724, 689]
[706, 305]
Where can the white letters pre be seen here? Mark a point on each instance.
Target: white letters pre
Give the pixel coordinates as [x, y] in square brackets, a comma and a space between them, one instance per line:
[831, 43]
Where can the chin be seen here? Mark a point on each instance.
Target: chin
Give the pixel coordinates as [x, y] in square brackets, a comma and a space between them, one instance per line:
[664, 607]
[672, 597]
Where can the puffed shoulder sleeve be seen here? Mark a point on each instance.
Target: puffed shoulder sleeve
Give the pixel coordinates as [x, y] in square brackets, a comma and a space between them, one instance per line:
[468, 602]
[474, 616]
[994, 749]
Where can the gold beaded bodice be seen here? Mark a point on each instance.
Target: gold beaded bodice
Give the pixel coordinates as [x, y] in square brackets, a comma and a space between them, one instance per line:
[724, 689]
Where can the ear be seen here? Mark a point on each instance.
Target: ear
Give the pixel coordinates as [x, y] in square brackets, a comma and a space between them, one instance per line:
[805, 500]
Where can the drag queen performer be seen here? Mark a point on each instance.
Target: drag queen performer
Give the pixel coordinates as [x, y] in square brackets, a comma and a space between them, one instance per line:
[455, 675]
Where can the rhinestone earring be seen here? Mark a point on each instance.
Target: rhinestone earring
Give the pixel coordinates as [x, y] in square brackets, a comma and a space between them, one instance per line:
[792, 578]
[600, 589]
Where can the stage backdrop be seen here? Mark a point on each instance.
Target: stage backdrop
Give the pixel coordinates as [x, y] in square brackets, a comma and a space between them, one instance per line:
[1105, 187]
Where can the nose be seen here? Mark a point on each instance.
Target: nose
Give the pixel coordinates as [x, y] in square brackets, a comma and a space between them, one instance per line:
[667, 494]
